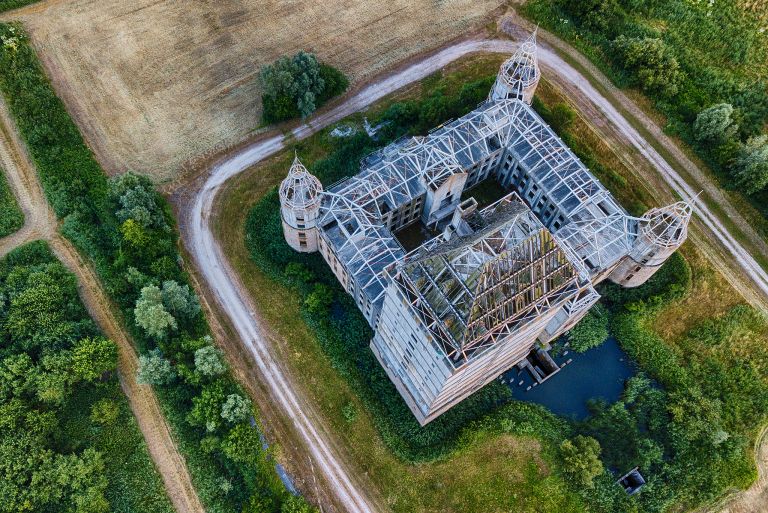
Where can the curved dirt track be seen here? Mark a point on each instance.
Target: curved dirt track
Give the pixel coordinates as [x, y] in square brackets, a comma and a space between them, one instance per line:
[40, 224]
[224, 283]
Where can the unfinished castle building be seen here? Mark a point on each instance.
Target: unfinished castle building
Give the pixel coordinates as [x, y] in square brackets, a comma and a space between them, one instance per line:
[492, 284]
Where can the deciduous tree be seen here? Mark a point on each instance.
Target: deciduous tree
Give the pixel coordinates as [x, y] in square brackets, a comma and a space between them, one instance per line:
[151, 314]
[581, 459]
[750, 169]
[154, 369]
[715, 123]
[209, 361]
[236, 409]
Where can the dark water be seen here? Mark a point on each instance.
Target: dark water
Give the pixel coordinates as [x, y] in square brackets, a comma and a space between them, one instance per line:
[598, 373]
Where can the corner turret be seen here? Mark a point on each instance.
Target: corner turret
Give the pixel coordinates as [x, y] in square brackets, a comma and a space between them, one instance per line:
[300, 197]
[659, 233]
[519, 75]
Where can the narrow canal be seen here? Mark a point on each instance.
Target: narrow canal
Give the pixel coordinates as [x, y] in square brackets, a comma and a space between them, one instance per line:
[597, 373]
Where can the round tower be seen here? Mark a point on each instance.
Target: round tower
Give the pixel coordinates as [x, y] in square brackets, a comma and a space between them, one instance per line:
[300, 197]
[660, 232]
[519, 75]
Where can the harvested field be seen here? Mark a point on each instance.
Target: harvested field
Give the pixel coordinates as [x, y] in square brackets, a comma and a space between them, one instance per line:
[155, 84]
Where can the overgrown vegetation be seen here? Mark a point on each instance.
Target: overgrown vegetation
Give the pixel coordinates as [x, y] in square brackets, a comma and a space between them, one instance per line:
[296, 86]
[11, 216]
[68, 439]
[591, 331]
[701, 63]
[657, 425]
[126, 229]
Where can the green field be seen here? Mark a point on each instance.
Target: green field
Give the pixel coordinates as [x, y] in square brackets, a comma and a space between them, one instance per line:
[675, 311]
[11, 216]
[56, 452]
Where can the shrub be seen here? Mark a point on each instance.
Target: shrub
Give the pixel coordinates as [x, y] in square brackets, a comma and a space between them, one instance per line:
[154, 369]
[105, 412]
[581, 459]
[715, 124]
[591, 331]
[655, 68]
[750, 168]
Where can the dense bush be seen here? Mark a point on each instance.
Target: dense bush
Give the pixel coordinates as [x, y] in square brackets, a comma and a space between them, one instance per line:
[11, 216]
[65, 427]
[591, 331]
[124, 226]
[297, 86]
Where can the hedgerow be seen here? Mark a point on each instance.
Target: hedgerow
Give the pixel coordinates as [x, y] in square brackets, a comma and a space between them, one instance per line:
[126, 229]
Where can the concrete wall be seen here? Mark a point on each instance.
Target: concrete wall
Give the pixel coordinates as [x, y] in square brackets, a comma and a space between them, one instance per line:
[642, 262]
[299, 228]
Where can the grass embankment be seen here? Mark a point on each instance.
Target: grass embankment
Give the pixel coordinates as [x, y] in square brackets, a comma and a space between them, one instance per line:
[61, 412]
[11, 216]
[329, 353]
[716, 68]
[125, 228]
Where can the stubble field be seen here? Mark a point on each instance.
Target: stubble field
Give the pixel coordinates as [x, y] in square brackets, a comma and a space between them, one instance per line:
[154, 85]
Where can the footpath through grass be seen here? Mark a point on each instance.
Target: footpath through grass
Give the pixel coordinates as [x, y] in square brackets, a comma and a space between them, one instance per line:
[11, 216]
[327, 346]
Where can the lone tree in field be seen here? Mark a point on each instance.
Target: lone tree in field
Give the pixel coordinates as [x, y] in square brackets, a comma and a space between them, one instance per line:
[715, 124]
[296, 86]
[750, 169]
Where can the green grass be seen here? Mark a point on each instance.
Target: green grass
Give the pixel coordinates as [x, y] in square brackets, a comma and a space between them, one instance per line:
[424, 487]
[7, 5]
[134, 484]
[79, 192]
[11, 216]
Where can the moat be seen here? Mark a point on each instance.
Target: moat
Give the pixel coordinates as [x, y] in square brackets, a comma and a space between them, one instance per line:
[599, 373]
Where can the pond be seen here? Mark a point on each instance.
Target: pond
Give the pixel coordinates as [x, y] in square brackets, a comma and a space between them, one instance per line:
[597, 373]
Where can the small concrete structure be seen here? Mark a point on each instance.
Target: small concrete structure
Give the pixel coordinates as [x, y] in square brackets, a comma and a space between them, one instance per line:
[632, 481]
